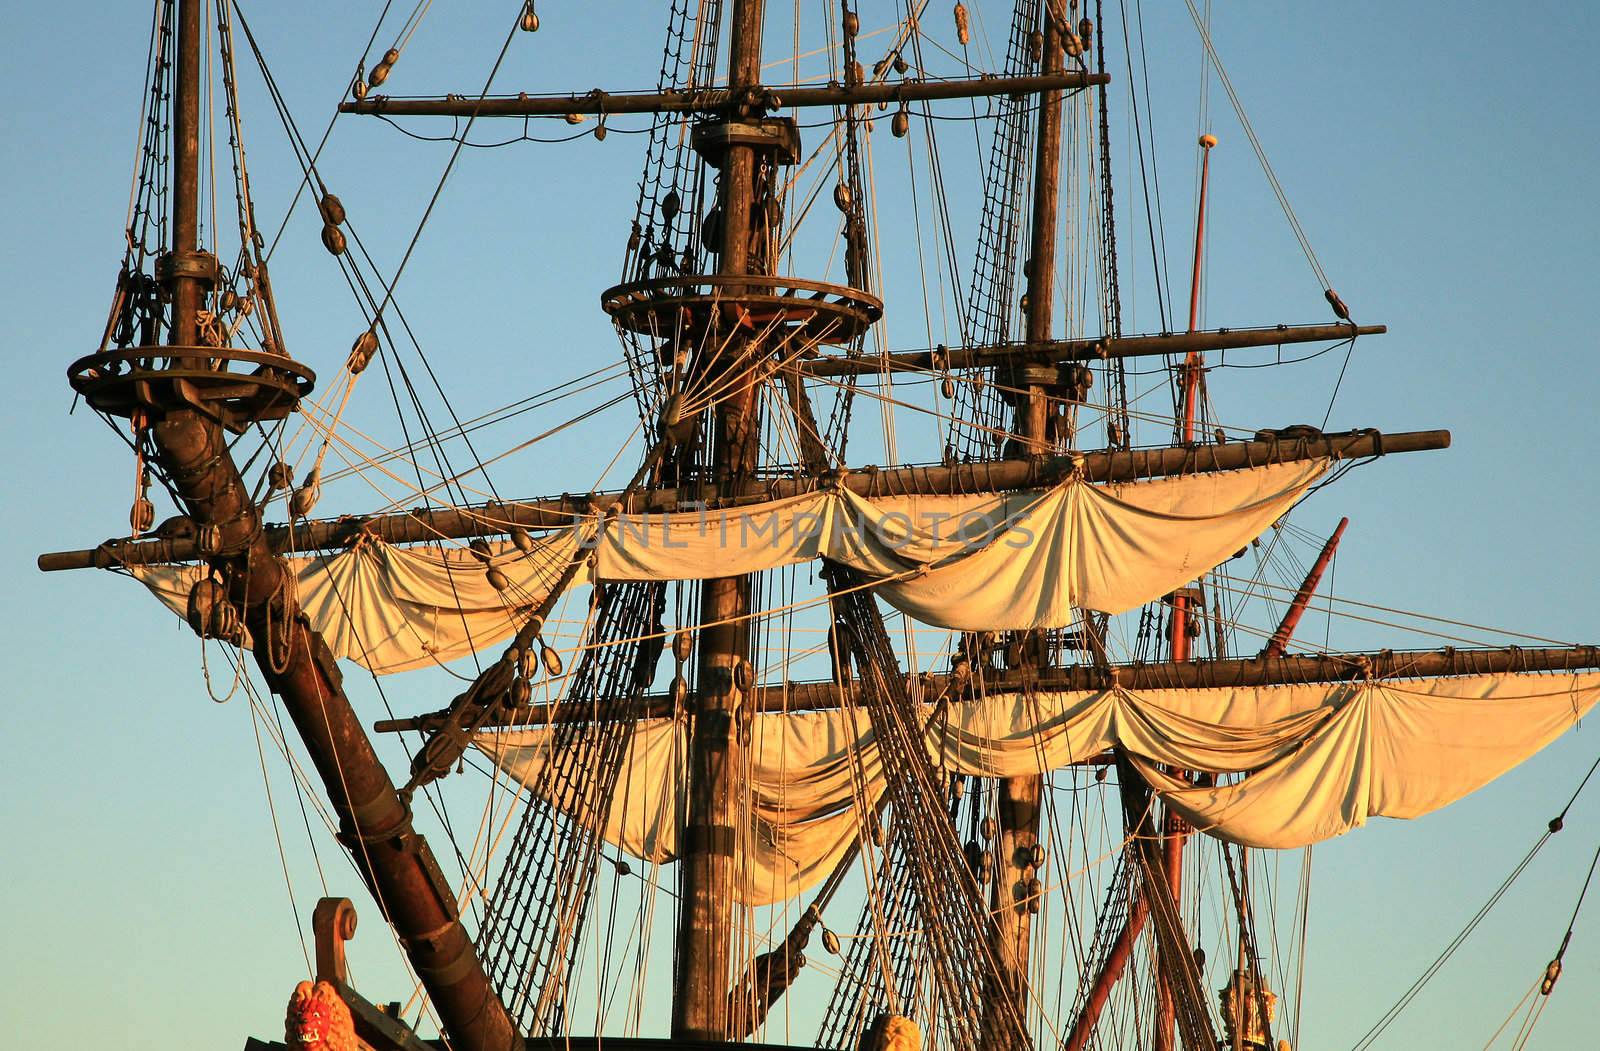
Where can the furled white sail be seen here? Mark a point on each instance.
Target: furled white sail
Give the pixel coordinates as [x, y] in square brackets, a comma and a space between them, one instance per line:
[1392, 749]
[981, 562]
[1316, 760]
[394, 609]
[989, 562]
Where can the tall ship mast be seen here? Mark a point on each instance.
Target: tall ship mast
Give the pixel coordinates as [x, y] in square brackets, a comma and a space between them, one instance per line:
[977, 740]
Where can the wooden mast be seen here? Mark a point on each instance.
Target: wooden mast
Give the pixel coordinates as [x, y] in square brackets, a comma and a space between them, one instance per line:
[1019, 798]
[187, 263]
[701, 966]
[1173, 829]
[1279, 643]
[193, 451]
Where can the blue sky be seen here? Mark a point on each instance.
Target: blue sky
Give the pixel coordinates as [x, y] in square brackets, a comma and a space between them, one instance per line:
[1440, 157]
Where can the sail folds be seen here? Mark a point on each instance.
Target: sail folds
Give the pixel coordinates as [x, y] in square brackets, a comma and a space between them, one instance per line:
[395, 609]
[1299, 764]
[1010, 561]
[1392, 749]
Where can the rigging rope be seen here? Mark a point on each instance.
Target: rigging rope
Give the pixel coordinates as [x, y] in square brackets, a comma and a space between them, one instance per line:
[947, 897]
[991, 302]
[540, 903]
[1260, 151]
[1555, 825]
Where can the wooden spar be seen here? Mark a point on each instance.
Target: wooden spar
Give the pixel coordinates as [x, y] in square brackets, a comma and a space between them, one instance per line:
[375, 823]
[496, 517]
[736, 100]
[1019, 799]
[1234, 672]
[1042, 254]
[1099, 348]
[701, 962]
[1173, 829]
[1279, 642]
[1193, 365]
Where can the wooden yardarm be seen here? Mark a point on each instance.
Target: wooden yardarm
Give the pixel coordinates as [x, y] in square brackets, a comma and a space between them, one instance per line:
[424, 524]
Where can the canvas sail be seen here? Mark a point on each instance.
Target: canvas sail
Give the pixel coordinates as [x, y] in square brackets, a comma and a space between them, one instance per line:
[395, 609]
[1011, 561]
[1317, 760]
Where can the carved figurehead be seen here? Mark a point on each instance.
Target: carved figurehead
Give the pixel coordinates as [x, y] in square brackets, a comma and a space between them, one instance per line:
[891, 1032]
[319, 1020]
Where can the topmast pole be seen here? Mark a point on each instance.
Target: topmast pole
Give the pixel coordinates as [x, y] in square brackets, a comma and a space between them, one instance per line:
[1174, 831]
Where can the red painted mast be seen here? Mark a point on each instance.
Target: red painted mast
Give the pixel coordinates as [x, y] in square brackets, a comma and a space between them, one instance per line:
[1291, 618]
[1116, 963]
[1174, 831]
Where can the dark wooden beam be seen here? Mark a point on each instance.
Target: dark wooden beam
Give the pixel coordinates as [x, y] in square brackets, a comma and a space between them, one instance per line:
[572, 1042]
[720, 101]
[495, 518]
[1193, 674]
[1099, 348]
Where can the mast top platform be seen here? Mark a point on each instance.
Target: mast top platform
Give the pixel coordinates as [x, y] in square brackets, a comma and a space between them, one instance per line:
[233, 386]
[795, 309]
